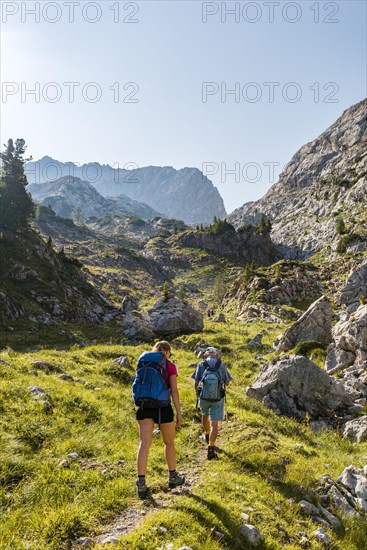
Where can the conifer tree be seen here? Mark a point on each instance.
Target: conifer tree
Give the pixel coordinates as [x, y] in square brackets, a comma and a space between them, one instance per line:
[16, 206]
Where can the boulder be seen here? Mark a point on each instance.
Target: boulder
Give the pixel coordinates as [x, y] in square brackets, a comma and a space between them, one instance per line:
[129, 303]
[173, 316]
[136, 326]
[294, 385]
[349, 345]
[314, 324]
[219, 318]
[356, 429]
[355, 287]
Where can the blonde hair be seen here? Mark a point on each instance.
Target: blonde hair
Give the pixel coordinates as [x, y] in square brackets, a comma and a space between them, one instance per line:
[163, 345]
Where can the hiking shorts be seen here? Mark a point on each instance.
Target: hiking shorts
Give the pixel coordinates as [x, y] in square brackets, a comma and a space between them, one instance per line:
[166, 414]
[214, 409]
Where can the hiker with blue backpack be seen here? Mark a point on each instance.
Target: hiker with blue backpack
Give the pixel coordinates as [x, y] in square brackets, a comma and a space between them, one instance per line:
[211, 378]
[155, 383]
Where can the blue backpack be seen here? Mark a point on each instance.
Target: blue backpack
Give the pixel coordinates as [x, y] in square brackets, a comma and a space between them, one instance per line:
[210, 386]
[149, 388]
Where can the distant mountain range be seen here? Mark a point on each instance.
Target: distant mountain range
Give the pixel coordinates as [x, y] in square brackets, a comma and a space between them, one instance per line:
[325, 182]
[69, 194]
[184, 194]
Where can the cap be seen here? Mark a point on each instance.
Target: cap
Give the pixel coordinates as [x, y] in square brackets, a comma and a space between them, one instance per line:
[212, 350]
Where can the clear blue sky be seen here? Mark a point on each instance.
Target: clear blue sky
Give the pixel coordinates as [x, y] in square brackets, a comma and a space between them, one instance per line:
[169, 52]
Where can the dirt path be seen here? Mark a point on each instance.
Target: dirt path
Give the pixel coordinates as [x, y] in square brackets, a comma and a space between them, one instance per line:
[131, 518]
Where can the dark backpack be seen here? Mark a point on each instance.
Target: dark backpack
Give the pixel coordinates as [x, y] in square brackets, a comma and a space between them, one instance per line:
[149, 388]
[210, 385]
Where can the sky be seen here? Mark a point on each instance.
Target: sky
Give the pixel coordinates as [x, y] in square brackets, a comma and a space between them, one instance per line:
[232, 88]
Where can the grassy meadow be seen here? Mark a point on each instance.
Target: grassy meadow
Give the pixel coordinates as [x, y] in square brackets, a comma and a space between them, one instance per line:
[267, 463]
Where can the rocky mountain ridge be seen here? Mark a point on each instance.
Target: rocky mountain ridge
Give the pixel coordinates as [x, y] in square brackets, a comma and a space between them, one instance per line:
[184, 194]
[69, 194]
[325, 179]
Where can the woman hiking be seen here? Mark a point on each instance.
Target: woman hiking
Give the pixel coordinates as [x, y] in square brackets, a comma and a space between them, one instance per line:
[161, 413]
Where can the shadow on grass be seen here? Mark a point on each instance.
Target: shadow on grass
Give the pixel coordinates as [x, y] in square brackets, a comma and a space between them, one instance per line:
[233, 539]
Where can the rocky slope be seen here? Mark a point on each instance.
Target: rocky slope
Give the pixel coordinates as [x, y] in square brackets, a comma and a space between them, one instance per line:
[324, 180]
[184, 194]
[68, 194]
[39, 284]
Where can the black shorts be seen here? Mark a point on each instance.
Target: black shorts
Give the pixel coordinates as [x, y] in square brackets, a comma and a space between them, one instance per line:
[166, 414]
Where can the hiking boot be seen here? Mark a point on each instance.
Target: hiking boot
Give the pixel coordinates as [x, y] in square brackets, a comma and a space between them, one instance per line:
[211, 453]
[142, 490]
[175, 481]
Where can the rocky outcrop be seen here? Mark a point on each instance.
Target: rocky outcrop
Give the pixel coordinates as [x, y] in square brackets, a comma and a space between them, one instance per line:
[173, 317]
[313, 325]
[165, 319]
[349, 346]
[184, 194]
[355, 288]
[295, 385]
[246, 246]
[324, 178]
[72, 197]
[9, 310]
[356, 430]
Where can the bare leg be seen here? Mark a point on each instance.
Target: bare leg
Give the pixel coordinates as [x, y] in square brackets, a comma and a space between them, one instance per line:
[214, 431]
[168, 434]
[145, 435]
[206, 424]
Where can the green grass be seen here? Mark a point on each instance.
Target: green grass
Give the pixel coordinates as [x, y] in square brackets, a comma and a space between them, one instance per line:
[267, 463]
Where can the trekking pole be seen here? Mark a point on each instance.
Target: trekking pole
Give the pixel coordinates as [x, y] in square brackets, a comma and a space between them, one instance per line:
[192, 426]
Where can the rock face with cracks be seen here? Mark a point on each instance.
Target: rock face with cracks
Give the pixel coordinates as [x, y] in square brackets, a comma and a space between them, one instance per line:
[295, 385]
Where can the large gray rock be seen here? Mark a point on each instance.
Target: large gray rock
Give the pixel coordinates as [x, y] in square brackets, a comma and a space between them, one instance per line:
[136, 326]
[356, 429]
[173, 316]
[355, 287]
[294, 385]
[314, 324]
[349, 345]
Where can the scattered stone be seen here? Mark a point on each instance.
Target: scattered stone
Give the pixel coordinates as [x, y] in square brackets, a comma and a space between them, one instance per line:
[85, 541]
[123, 361]
[66, 377]
[356, 429]
[219, 318]
[322, 536]
[330, 518]
[308, 508]
[217, 534]
[64, 464]
[36, 390]
[245, 516]
[256, 342]
[2, 362]
[313, 325]
[73, 456]
[339, 501]
[251, 533]
[185, 548]
[47, 367]
[163, 529]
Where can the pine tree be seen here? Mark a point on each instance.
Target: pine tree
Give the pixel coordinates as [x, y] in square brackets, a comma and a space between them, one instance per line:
[16, 206]
[340, 225]
[166, 293]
